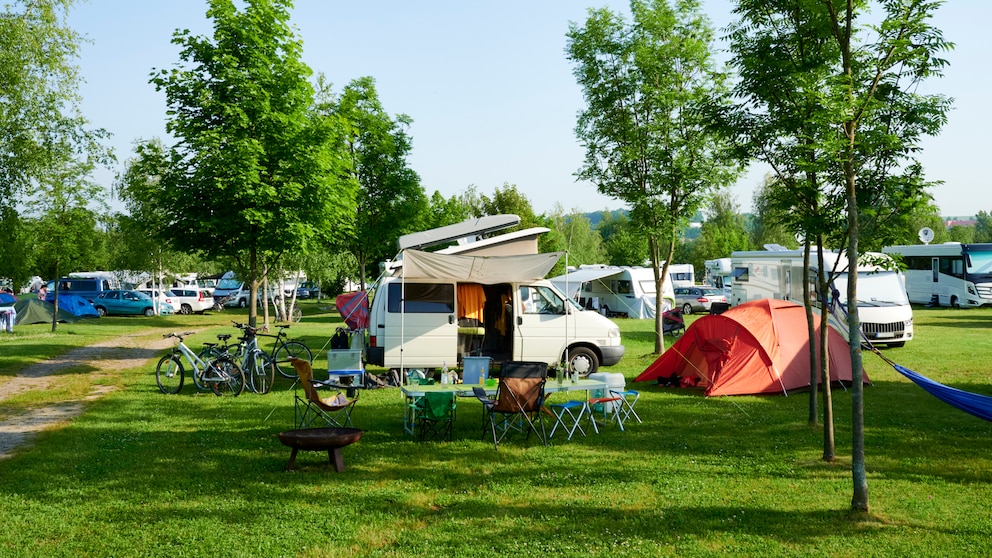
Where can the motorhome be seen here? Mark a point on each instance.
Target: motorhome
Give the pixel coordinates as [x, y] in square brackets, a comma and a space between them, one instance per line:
[719, 274]
[431, 310]
[885, 312]
[616, 291]
[949, 274]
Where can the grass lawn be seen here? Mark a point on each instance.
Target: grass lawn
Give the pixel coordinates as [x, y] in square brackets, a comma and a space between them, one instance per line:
[145, 474]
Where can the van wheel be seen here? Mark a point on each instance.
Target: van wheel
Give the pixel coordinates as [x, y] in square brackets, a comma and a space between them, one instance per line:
[954, 302]
[242, 303]
[687, 308]
[582, 360]
[186, 309]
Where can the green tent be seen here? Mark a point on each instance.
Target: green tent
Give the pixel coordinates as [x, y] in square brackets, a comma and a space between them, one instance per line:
[34, 311]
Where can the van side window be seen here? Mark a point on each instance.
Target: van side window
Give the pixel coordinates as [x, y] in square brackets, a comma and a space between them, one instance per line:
[422, 298]
[540, 300]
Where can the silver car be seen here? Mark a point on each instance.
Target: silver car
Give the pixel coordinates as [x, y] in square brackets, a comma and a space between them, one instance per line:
[697, 299]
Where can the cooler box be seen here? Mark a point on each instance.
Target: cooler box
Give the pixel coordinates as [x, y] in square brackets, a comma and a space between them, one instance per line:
[345, 368]
[475, 370]
[614, 382]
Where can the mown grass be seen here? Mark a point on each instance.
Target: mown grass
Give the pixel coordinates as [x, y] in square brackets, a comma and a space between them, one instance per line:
[144, 474]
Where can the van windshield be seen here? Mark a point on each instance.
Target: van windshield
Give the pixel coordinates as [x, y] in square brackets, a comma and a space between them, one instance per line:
[229, 284]
[875, 287]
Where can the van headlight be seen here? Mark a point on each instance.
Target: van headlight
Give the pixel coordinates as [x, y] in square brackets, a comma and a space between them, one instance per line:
[613, 333]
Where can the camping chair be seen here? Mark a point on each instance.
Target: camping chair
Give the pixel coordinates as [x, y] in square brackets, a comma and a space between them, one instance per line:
[519, 399]
[625, 407]
[312, 407]
[434, 414]
[568, 416]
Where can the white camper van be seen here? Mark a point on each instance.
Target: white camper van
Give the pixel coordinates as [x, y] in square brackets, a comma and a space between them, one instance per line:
[616, 291]
[885, 312]
[949, 274]
[433, 309]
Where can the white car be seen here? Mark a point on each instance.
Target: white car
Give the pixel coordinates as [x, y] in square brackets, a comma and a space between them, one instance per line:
[164, 298]
[192, 299]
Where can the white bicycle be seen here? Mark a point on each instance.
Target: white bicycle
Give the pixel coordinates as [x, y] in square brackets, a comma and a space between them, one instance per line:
[221, 374]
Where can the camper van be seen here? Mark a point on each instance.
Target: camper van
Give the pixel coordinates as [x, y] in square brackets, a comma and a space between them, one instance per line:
[87, 284]
[429, 310]
[438, 308]
[949, 274]
[885, 312]
[616, 291]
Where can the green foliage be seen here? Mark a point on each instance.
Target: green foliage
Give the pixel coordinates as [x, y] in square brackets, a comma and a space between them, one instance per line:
[983, 227]
[390, 199]
[256, 168]
[648, 87]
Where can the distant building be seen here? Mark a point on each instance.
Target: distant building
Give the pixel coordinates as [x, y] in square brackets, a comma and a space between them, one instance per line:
[959, 222]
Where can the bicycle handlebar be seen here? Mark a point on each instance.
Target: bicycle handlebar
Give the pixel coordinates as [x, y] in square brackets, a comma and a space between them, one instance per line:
[179, 335]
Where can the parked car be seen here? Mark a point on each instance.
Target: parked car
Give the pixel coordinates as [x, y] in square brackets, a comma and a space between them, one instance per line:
[126, 302]
[164, 297]
[697, 299]
[192, 299]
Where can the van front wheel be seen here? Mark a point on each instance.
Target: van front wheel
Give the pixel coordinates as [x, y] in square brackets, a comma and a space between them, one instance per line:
[582, 360]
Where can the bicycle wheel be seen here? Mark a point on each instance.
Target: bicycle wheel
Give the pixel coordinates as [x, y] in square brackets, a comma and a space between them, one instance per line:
[225, 377]
[291, 349]
[169, 374]
[262, 373]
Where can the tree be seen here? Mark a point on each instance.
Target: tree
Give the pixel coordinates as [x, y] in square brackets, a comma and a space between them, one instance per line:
[837, 109]
[256, 169]
[390, 199]
[648, 139]
[723, 231]
[45, 143]
[768, 225]
[983, 227]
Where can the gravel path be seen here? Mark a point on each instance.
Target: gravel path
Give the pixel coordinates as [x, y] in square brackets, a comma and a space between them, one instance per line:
[120, 353]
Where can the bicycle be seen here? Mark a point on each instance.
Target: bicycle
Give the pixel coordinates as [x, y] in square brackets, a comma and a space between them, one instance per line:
[256, 364]
[221, 375]
[286, 349]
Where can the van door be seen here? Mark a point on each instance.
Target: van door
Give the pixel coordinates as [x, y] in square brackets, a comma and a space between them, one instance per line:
[542, 324]
[423, 330]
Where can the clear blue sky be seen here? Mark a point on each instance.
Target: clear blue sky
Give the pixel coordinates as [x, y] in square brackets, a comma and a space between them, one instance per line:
[492, 97]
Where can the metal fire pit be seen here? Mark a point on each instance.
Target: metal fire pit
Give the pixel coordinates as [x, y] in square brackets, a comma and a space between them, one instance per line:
[320, 439]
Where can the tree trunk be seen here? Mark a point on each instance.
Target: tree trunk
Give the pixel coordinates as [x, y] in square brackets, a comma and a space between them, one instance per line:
[859, 501]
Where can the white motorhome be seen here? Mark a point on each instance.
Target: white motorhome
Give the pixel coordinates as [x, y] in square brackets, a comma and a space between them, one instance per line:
[885, 312]
[949, 274]
[430, 310]
[719, 274]
[616, 291]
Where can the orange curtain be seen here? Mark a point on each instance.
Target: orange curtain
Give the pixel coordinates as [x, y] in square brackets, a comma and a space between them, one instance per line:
[471, 300]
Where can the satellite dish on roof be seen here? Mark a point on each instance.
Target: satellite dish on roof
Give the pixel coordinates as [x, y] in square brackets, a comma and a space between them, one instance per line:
[926, 235]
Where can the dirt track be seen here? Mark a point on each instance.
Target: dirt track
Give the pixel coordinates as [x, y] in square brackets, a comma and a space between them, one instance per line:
[120, 353]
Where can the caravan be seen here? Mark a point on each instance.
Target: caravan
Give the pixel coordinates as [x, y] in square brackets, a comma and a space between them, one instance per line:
[616, 291]
[432, 310]
[885, 312]
[949, 274]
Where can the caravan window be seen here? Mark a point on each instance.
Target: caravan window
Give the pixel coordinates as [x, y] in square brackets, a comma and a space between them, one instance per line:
[622, 286]
[422, 298]
[740, 274]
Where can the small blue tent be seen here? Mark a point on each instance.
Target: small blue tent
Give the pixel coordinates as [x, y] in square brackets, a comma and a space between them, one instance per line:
[77, 305]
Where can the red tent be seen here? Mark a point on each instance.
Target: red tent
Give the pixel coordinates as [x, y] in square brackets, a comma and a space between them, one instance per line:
[760, 346]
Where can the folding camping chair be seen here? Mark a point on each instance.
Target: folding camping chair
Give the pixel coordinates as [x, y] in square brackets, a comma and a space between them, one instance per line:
[312, 407]
[434, 414]
[519, 399]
